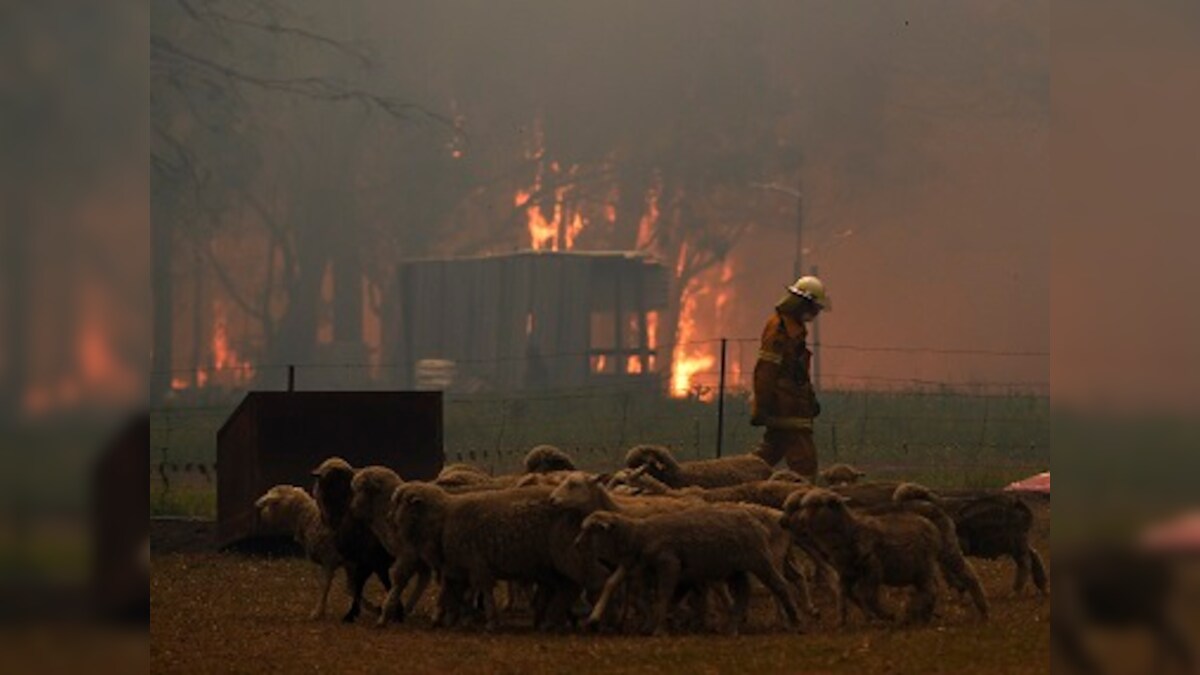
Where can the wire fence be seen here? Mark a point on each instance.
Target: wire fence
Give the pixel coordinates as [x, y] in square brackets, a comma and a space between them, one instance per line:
[960, 434]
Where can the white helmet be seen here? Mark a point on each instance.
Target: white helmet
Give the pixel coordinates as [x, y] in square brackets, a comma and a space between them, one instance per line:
[811, 288]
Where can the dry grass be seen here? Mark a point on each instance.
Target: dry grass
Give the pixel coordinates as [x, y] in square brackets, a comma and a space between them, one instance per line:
[220, 613]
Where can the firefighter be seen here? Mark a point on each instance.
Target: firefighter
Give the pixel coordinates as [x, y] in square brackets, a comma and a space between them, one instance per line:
[784, 400]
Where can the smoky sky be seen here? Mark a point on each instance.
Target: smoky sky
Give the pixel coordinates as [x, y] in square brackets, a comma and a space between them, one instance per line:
[917, 131]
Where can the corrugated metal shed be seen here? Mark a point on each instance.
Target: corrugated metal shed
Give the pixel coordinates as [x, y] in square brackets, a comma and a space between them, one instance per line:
[531, 319]
[279, 437]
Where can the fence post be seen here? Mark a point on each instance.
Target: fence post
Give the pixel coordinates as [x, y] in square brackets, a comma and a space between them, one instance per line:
[721, 399]
[291, 378]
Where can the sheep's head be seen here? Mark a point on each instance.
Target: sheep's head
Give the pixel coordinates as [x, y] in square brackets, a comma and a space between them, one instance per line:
[823, 510]
[578, 491]
[841, 474]
[371, 487]
[658, 459]
[596, 536]
[906, 492]
[332, 489]
[547, 458]
[276, 502]
[628, 479]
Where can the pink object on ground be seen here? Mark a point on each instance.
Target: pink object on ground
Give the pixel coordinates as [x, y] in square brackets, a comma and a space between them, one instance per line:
[1039, 484]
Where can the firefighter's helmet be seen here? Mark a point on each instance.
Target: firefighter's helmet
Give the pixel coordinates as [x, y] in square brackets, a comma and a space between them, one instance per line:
[811, 288]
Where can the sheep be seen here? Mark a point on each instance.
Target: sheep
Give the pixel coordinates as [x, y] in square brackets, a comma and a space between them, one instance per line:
[516, 535]
[373, 488]
[289, 507]
[587, 495]
[364, 554]
[787, 476]
[841, 474]
[546, 459]
[893, 549]
[699, 546]
[958, 573]
[708, 473]
[992, 525]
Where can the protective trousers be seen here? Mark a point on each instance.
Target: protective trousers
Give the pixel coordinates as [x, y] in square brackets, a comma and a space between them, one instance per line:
[794, 445]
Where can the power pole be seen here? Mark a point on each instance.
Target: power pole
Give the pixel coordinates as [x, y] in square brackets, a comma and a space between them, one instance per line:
[816, 346]
[798, 262]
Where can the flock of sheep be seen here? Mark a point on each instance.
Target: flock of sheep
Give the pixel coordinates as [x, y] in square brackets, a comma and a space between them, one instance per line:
[648, 546]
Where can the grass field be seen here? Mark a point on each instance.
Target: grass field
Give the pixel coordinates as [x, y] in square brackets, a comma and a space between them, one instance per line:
[939, 437]
[235, 613]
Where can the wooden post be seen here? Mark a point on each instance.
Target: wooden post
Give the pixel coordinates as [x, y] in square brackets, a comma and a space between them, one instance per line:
[721, 399]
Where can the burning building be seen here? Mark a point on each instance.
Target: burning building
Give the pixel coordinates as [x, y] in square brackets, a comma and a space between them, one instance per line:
[529, 320]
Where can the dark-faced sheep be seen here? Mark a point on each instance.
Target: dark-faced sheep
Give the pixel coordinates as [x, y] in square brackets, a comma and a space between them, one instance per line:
[696, 547]
[992, 525]
[546, 459]
[373, 489]
[895, 549]
[363, 552]
[708, 473]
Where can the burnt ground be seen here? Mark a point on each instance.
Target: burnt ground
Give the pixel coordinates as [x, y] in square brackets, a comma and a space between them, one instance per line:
[223, 612]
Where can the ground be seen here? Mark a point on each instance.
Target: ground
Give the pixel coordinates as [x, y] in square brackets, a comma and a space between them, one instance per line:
[223, 612]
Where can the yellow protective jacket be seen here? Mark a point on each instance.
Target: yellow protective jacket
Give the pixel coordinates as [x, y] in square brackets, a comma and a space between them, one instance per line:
[783, 393]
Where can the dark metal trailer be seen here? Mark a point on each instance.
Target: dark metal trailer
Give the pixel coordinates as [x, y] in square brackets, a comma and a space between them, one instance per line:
[279, 437]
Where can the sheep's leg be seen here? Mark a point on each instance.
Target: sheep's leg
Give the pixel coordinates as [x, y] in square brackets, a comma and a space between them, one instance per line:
[1038, 567]
[923, 601]
[484, 586]
[771, 578]
[867, 593]
[800, 583]
[393, 606]
[423, 576]
[1022, 558]
[739, 588]
[610, 586]
[357, 579]
[327, 574]
[668, 578]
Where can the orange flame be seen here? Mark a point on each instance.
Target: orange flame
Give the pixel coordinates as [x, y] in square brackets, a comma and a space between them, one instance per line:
[689, 359]
[649, 219]
[226, 362]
